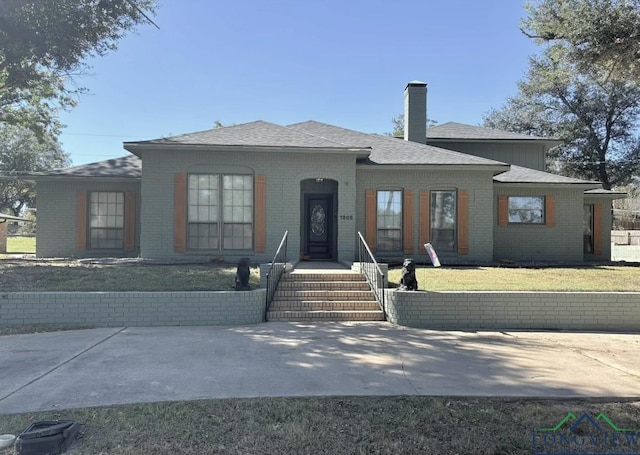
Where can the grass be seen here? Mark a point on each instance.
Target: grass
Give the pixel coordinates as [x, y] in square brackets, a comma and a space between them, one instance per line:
[355, 425]
[21, 245]
[589, 278]
[18, 275]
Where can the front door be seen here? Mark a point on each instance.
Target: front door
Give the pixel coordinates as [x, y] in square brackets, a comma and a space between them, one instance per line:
[318, 226]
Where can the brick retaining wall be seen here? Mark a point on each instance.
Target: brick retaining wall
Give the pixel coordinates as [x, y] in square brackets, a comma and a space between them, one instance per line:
[436, 310]
[113, 309]
[613, 311]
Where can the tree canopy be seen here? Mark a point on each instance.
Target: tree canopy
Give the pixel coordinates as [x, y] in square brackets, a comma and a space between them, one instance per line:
[21, 151]
[43, 44]
[604, 33]
[594, 115]
[398, 125]
[583, 88]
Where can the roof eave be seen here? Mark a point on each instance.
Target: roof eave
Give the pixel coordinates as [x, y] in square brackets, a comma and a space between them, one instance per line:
[585, 185]
[495, 168]
[612, 195]
[137, 147]
[545, 141]
[50, 178]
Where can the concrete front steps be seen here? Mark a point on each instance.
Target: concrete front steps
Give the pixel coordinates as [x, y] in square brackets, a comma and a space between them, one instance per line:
[325, 296]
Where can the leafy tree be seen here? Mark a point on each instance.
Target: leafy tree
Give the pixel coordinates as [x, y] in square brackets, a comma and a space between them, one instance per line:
[22, 151]
[398, 125]
[593, 114]
[604, 33]
[44, 43]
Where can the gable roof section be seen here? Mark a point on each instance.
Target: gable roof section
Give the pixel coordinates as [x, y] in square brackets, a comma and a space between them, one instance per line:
[124, 167]
[610, 194]
[452, 131]
[390, 150]
[518, 174]
[254, 134]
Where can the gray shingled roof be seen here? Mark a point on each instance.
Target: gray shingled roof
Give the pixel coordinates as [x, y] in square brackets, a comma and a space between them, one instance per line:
[124, 167]
[518, 174]
[457, 131]
[603, 192]
[389, 150]
[257, 134]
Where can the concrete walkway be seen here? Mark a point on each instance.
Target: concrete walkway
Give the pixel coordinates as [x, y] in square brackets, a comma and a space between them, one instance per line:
[125, 365]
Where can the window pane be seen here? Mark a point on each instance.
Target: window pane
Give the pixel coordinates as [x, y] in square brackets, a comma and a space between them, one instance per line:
[237, 236]
[389, 209]
[238, 211]
[106, 220]
[203, 236]
[389, 240]
[389, 220]
[443, 220]
[526, 209]
[247, 215]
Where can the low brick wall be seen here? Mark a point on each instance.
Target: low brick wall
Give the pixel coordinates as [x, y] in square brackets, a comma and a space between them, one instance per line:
[113, 309]
[613, 311]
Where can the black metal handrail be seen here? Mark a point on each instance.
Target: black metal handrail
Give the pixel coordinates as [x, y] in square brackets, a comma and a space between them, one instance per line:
[372, 272]
[276, 270]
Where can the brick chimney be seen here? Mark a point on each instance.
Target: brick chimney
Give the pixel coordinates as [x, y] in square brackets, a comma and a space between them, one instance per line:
[415, 112]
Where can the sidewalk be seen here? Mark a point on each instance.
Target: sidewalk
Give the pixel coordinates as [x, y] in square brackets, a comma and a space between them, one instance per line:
[116, 366]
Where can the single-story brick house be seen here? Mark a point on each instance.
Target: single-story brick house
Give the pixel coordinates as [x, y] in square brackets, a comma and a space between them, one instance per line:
[477, 195]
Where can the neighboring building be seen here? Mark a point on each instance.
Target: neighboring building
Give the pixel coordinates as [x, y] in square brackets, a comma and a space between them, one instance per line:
[477, 195]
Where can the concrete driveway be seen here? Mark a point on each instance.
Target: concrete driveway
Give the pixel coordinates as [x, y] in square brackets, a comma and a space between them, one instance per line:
[126, 365]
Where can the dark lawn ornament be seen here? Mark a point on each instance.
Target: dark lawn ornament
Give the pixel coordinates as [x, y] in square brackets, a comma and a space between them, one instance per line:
[408, 281]
[242, 275]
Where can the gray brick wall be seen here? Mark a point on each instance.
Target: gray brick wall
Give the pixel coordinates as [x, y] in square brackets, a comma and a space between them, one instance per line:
[284, 173]
[515, 310]
[115, 309]
[479, 184]
[57, 215]
[560, 243]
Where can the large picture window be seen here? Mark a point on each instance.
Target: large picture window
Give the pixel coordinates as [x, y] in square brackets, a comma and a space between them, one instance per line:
[443, 220]
[526, 209]
[389, 221]
[106, 220]
[220, 212]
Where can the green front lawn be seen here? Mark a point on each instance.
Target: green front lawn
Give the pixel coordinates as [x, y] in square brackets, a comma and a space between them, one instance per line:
[18, 244]
[592, 278]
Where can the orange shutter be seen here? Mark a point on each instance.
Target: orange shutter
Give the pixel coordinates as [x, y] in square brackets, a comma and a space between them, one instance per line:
[407, 222]
[463, 222]
[597, 229]
[180, 212]
[425, 217]
[129, 221]
[81, 221]
[550, 211]
[260, 225]
[370, 219]
[503, 210]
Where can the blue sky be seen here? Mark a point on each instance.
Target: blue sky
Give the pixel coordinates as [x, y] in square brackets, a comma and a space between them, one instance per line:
[344, 62]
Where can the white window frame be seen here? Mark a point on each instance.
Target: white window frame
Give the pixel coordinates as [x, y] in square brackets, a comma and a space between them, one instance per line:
[106, 220]
[220, 212]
